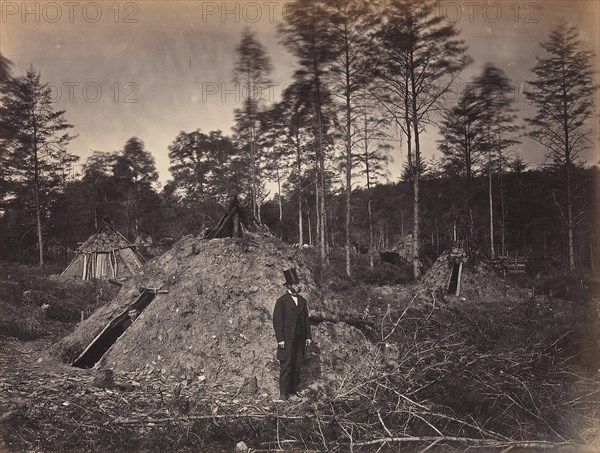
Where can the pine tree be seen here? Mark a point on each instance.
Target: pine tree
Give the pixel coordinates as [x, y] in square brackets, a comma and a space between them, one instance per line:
[251, 72]
[495, 94]
[103, 193]
[306, 34]
[135, 176]
[462, 145]
[35, 141]
[562, 93]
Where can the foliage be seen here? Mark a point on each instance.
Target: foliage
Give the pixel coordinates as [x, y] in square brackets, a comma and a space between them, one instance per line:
[251, 76]
[35, 164]
[420, 55]
[562, 93]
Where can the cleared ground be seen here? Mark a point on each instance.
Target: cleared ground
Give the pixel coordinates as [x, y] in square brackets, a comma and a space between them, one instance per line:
[500, 366]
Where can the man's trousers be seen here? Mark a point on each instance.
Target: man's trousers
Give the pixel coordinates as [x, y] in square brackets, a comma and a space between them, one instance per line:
[289, 370]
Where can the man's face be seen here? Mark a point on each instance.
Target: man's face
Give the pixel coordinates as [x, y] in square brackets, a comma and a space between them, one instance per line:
[133, 314]
[295, 288]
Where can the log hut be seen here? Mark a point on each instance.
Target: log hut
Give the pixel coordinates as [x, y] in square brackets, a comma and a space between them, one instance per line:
[107, 254]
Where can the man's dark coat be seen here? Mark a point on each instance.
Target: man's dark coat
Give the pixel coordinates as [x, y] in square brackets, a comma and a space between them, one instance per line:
[290, 323]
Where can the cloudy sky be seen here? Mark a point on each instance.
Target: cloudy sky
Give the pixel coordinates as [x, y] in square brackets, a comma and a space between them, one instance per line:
[153, 68]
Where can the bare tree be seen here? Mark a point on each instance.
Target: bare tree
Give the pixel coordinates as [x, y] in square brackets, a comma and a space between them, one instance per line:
[348, 75]
[420, 58]
[372, 161]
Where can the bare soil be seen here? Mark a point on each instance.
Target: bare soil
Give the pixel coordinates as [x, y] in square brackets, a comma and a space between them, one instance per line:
[498, 368]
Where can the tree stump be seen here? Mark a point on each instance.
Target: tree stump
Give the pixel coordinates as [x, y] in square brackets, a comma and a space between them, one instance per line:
[235, 220]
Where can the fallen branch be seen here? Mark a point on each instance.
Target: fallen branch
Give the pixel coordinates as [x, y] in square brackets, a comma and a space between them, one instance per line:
[353, 321]
[143, 421]
[467, 440]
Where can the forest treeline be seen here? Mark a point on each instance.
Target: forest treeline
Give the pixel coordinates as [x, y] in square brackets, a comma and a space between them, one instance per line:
[370, 80]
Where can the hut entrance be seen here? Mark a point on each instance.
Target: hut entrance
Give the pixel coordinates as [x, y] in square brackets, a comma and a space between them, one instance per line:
[454, 283]
[113, 330]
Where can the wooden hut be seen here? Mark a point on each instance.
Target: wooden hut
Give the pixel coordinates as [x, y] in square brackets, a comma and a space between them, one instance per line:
[107, 254]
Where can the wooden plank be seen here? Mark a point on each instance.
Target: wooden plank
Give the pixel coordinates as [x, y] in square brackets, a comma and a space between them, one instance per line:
[99, 265]
[116, 264]
[84, 272]
[112, 269]
[97, 337]
[110, 324]
[460, 265]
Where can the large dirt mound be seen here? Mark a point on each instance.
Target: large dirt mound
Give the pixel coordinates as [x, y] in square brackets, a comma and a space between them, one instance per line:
[215, 322]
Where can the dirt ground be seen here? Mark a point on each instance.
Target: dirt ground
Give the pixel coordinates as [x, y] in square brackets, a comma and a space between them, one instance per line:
[501, 367]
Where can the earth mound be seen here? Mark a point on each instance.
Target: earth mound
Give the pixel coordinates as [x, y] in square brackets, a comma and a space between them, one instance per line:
[212, 318]
[457, 273]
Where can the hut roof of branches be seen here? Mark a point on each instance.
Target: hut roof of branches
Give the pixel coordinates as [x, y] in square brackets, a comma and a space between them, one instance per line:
[211, 317]
[106, 239]
[106, 254]
[462, 271]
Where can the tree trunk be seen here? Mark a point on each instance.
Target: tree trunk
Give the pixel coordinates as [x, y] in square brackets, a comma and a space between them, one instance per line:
[401, 225]
[470, 196]
[253, 189]
[369, 200]
[594, 237]
[300, 195]
[348, 151]
[371, 245]
[321, 166]
[310, 241]
[280, 205]
[570, 219]
[502, 210]
[544, 245]
[567, 155]
[331, 241]
[415, 242]
[38, 215]
[258, 209]
[348, 205]
[417, 171]
[491, 203]
[317, 210]
[385, 236]
[437, 236]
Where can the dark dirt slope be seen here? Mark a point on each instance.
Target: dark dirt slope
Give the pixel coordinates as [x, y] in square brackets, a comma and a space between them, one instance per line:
[216, 320]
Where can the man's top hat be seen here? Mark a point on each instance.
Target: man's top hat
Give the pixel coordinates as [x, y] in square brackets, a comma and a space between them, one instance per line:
[291, 277]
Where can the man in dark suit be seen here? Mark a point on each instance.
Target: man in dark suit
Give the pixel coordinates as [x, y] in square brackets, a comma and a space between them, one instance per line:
[292, 331]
